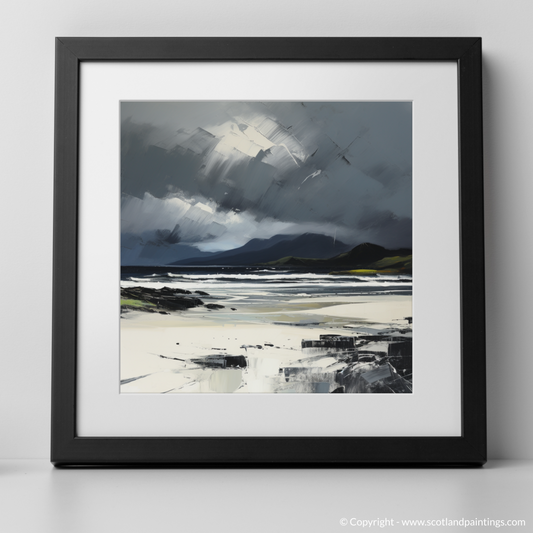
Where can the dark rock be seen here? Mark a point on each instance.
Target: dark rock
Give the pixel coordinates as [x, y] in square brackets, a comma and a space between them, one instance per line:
[169, 290]
[201, 293]
[146, 309]
[214, 306]
[404, 347]
[222, 361]
[401, 355]
[166, 299]
[330, 342]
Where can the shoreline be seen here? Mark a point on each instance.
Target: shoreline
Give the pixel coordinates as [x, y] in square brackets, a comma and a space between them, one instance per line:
[180, 351]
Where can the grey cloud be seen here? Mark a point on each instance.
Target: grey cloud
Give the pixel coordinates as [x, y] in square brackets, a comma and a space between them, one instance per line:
[343, 164]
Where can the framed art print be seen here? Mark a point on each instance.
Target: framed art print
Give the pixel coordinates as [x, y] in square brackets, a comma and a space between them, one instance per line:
[268, 251]
[266, 247]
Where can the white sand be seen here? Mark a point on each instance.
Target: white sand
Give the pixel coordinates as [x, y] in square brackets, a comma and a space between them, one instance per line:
[197, 333]
[381, 309]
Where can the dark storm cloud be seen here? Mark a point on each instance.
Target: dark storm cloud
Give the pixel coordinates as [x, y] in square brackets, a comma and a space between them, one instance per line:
[342, 164]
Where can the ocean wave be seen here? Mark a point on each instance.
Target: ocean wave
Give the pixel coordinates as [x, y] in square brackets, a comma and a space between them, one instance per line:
[237, 276]
[227, 288]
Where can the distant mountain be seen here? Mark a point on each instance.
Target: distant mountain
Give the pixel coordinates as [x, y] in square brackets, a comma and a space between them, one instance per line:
[366, 256]
[251, 246]
[259, 251]
[137, 252]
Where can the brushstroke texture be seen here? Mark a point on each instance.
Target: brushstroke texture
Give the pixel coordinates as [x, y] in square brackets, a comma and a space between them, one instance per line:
[224, 173]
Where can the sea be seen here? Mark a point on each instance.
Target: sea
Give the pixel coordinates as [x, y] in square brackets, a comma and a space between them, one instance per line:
[249, 284]
[269, 330]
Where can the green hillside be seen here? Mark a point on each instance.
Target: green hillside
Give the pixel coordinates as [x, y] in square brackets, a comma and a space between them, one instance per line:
[387, 265]
[365, 259]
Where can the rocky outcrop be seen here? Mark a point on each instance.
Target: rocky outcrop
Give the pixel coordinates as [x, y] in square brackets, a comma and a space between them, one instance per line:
[157, 300]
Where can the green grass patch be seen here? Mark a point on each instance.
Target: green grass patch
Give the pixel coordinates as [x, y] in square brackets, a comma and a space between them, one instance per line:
[135, 303]
[357, 272]
[390, 261]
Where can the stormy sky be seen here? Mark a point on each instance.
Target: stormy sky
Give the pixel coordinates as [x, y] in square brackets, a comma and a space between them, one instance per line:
[217, 174]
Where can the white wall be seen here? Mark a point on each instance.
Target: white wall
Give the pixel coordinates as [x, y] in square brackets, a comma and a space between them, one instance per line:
[26, 137]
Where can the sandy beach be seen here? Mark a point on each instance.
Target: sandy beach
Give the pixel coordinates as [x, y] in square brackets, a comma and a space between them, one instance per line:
[161, 353]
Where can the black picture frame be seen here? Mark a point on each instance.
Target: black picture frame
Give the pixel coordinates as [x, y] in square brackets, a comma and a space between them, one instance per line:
[68, 449]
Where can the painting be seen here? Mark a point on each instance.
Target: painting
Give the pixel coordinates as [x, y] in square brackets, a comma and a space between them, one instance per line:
[266, 247]
[266, 225]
